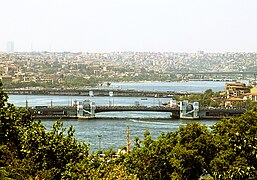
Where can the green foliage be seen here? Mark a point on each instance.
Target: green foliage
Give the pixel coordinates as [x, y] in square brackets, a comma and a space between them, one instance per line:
[183, 154]
[95, 168]
[236, 139]
[29, 84]
[28, 150]
[226, 152]
[151, 160]
[75, 81]
[244, 104]
[3, 96]
[206, 99]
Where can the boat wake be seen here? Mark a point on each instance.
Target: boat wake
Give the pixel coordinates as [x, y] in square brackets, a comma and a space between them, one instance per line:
[148, 122]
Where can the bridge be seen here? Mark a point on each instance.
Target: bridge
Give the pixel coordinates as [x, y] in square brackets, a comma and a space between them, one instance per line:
[220, 73]
[135, 108]
[71, 112]
[231, 73]
[90, 111]
[96, 92]
[185, 110]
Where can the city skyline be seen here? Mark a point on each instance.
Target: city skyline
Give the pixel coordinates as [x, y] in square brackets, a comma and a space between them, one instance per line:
[108, 26]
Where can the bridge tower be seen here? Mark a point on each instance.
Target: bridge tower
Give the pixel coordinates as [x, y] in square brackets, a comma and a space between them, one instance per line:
[189, 110]
[86, 108]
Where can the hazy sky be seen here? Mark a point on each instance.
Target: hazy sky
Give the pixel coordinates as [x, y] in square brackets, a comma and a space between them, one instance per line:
[129, 25]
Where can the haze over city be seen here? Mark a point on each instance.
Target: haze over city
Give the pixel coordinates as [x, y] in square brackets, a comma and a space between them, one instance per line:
[129, 25]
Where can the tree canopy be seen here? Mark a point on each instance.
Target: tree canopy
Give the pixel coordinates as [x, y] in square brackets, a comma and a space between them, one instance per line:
[206, 99]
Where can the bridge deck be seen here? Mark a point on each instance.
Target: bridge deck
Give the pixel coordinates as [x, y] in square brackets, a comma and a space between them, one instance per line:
[69, 111]
[135, 108]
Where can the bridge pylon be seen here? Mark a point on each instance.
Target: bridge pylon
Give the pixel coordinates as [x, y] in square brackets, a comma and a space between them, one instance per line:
[189, 110]
[86, 108]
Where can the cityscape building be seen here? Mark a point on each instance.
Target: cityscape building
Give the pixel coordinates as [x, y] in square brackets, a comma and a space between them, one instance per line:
[10, 47]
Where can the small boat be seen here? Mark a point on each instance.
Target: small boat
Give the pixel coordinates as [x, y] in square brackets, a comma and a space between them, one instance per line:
[143, 98]
[165, 103]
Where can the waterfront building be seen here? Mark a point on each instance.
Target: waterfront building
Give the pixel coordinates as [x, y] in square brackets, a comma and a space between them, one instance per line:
[236, 89]
[252, 95]
[232, 100]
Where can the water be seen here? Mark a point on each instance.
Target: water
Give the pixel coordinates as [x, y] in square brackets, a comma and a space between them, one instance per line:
[190, 86]
[111, 133]
[106, 132]
[41, 100]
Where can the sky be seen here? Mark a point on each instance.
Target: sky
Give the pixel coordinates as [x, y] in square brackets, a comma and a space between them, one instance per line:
[129, 25]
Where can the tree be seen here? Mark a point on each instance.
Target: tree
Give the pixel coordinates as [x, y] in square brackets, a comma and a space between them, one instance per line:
[205, 99]
[3, 96]
[28, 150]
[236, 140]
[193, 152]
[150, 158]
[183, 154]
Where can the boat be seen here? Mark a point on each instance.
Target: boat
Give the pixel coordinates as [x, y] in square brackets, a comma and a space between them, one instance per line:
[165, 103]
[143, 98]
